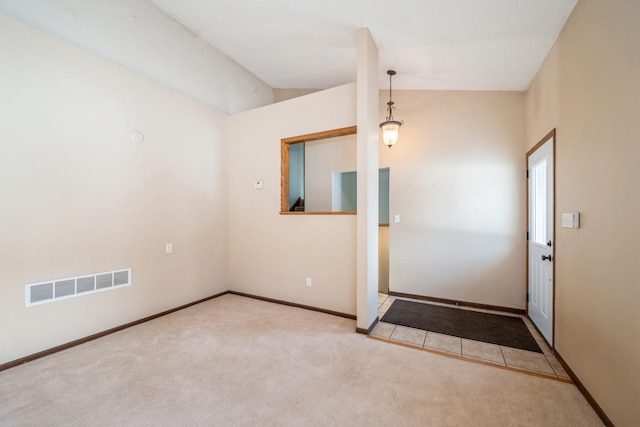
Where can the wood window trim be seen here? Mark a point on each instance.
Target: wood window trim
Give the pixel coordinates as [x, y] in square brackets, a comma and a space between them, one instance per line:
[285, 143]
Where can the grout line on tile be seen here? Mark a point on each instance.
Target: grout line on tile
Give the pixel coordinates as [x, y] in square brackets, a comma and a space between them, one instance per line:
[504, 359]
[551, 365]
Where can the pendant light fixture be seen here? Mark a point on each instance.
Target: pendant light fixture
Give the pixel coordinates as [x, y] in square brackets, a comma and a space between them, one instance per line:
[390, 127]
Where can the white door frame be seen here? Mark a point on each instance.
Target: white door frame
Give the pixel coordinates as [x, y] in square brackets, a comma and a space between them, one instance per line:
[550, 136]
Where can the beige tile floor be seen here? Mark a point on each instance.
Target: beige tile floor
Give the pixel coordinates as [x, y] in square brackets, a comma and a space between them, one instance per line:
[544, 364]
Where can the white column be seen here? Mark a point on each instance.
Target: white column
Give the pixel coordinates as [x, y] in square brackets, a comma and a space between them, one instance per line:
[367, 223]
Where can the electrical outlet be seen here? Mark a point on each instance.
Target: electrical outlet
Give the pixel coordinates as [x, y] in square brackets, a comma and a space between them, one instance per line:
[308, 281]
[169, 248]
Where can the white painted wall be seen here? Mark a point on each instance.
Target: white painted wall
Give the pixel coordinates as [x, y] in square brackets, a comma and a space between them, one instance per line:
[271, 254]
[367, 253]
[141, 37]
[79, 196]
[458, 185]
[588, 89]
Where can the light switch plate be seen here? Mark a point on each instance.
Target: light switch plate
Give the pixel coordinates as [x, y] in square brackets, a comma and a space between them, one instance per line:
[258, 184]
[571, 220]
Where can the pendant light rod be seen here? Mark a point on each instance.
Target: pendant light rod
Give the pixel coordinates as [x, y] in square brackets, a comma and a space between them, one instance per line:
[390, 103]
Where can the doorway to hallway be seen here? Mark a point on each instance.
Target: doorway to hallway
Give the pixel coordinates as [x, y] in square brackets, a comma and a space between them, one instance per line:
[383, 231]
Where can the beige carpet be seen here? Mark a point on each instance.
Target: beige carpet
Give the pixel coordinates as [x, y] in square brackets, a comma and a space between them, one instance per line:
[239, 361]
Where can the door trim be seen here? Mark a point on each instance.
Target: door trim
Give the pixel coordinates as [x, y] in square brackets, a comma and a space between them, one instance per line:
[547, 137]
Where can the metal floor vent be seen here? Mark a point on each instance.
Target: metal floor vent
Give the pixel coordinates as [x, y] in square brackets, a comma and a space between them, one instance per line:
[54, 290]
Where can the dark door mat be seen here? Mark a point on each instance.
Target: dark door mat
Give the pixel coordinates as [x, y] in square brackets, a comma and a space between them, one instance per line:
[492, 328]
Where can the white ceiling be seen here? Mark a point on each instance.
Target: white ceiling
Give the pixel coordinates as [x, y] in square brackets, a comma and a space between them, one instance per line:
[432, 44]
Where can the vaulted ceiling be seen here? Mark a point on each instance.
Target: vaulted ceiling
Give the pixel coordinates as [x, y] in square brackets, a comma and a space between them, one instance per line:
[433, 44]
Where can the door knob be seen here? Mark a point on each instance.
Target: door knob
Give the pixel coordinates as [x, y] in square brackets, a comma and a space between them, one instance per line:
[546, 257]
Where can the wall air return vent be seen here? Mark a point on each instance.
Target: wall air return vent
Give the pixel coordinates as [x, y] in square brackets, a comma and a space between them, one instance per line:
[54, 290]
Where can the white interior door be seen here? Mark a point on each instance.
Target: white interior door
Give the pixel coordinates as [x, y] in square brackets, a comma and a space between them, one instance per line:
[540, 165]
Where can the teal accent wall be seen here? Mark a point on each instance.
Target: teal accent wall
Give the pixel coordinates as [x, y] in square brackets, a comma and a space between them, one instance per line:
[296, 172]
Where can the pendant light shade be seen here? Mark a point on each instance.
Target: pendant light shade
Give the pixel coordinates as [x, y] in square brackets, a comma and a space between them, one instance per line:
[390, 130]
[390, 127]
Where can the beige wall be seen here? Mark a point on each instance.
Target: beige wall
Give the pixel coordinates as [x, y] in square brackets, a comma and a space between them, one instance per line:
[589, 90]
[457, 182]
[383, 258]
[321, 159]
[79, 196]
[271, 254]
[280, 95]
